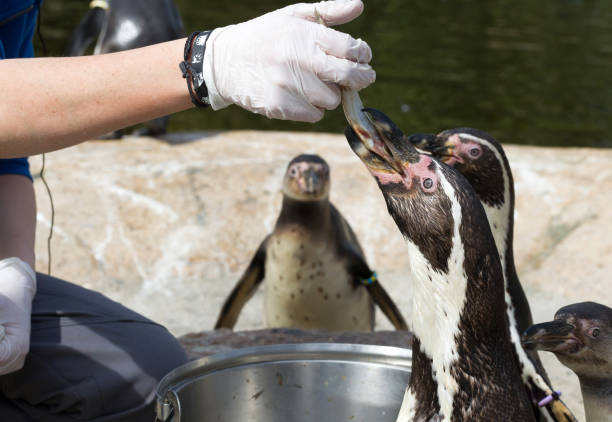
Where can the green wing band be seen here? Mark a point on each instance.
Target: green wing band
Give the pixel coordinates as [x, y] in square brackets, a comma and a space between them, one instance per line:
[371, 279]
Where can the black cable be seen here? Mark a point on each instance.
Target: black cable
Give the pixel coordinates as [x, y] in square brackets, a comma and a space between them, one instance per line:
[42, 40]
[42, 169]
[42, 177]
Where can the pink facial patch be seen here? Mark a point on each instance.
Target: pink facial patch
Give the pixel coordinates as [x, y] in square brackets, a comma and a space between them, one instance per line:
[423, 172]
[428, 179]
[463, 150]
[388, 177]
[469, 149]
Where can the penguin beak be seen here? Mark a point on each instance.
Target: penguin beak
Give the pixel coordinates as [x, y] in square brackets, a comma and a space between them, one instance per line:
[372, 160]
[393, 152]
[439, 146]
[374, 130]
[311, 181]
[555, 336]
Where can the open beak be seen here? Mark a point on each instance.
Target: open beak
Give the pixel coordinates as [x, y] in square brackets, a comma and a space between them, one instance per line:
[555, 336]
[375, 138]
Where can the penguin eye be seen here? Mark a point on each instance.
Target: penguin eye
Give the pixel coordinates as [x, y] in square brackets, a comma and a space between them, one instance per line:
[475, 152]
[427, 183]
[595, 332]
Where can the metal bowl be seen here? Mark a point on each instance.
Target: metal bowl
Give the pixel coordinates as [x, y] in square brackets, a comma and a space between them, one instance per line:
[289, 382]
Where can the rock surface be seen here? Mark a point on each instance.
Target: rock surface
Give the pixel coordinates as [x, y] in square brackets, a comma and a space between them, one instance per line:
[166, 228]
[210, 342]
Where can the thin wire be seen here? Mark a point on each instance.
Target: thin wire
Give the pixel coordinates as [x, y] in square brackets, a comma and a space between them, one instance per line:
[42, 177]
[42, 169]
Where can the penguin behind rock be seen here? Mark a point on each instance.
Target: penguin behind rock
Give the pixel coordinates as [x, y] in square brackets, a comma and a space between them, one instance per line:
[464, 367]
[581, 337]
[481, 159]
[315, 273]
[120, 25]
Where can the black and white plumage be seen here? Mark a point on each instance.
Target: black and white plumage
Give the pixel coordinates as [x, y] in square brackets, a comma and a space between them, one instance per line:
[464, 365]
[581, 337]
[312, 263]
[402, 171]
[481, 159]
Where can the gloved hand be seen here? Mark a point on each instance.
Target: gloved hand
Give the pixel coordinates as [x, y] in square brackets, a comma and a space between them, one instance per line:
[285, 64]
[17, 289]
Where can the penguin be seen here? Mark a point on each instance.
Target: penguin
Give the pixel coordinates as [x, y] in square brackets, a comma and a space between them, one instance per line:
[123, 25]
[581, 337]
[312, 265]
[464, 363]
[480, 158]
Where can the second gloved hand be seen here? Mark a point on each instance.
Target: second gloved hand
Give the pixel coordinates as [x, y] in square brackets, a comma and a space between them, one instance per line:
[284, 64]
[17, 289]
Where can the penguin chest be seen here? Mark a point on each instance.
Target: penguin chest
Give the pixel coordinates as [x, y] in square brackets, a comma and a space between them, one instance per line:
[308, 286]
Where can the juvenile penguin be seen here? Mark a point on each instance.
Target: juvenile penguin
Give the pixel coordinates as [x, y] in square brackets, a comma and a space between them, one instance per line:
[581, 337]
[315, 273]
[464, 364]
[481, 159]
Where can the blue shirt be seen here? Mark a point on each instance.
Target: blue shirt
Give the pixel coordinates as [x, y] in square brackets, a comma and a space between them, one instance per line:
[17, 25]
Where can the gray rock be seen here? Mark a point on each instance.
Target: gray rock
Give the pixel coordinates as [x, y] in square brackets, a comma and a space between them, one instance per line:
[210, 342]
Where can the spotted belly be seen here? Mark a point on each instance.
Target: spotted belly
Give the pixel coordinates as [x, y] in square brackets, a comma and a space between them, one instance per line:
[306, 286]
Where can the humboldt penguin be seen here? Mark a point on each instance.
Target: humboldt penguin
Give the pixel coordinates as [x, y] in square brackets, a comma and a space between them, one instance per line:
[581, 337]
[464, 363]
[122, 25]
[481, 159]
[315, 273]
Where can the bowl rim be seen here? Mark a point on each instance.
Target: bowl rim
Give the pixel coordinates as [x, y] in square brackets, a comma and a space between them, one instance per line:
[171, 383]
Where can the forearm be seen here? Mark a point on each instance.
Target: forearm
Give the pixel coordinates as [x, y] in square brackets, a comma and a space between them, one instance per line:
[51, 103]
[17, 218]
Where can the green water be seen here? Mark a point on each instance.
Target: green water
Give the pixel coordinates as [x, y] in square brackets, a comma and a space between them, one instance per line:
[527, 71]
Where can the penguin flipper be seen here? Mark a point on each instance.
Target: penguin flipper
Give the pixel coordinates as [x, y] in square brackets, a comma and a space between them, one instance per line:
[381, 298]
[364, 275]
[554, 410]
[244, 289]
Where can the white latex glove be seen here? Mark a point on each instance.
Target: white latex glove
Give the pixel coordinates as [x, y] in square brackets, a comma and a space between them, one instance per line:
[17, 289]
[284, 64]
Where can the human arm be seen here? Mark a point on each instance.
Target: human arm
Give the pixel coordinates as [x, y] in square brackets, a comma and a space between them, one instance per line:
[79, 98]
[283, 65]
[17, 279]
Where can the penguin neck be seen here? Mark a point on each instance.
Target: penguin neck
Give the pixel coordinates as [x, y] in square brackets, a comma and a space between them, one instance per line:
[305, 213]
[597, 397]
[501, 220]
[500, 214]
[460, 311]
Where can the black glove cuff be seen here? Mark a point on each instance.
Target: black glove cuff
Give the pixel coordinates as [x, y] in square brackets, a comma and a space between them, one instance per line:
[193, 68]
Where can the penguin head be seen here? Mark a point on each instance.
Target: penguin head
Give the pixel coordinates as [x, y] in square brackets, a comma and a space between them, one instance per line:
[580, 336]
[477, 156]
[307, 178]
[481, 160]
[426, 198]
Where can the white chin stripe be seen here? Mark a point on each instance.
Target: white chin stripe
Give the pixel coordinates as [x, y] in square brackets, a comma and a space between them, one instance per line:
[438, 301]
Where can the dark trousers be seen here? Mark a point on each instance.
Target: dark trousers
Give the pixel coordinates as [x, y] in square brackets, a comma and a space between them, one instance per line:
[91, 359]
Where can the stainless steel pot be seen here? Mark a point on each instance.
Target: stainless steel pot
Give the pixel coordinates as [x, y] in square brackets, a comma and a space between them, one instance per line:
[288, 383]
